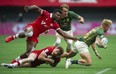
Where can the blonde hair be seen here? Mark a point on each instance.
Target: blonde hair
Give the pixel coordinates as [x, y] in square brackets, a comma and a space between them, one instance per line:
[106, 22]
[64, 6]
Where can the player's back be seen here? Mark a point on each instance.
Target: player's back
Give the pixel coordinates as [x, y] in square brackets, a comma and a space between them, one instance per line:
[43, 22]
[48, 50]
[90, 37]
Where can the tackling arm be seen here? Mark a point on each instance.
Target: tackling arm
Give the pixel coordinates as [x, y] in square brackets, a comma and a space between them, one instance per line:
[43, 57]
[66, 35]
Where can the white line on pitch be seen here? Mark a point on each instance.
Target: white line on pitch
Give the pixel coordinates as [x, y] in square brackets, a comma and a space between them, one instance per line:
[104, 70]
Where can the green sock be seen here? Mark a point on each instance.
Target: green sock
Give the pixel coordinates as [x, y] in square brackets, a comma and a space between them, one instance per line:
[74, 61]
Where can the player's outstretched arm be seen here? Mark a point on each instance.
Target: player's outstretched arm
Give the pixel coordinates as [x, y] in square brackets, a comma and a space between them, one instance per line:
[94, 49]
[33, 7]
[66, 35]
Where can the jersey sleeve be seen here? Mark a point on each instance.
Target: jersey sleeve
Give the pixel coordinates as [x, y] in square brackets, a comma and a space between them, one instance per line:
[49, 50]
[73, 15]
[56, 26]
[100, 33]
[44, 12]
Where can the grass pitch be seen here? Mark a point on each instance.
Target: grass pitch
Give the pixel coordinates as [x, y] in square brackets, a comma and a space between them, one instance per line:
[107, 65]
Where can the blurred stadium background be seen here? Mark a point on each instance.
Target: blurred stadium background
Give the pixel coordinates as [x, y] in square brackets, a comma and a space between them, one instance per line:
[13, 19]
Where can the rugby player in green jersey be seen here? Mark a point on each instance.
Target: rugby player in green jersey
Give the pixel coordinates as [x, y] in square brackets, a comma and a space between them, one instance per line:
[65, 24]
[81, 45]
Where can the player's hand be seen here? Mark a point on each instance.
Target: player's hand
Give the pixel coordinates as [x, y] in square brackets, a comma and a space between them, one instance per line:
[97, 54]
[26, 8]
[51, 61]
[105, 46]
[49, 56]
[81, 20]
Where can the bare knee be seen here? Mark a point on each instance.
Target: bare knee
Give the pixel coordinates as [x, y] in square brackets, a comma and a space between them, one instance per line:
[89, 63]
[28, 32]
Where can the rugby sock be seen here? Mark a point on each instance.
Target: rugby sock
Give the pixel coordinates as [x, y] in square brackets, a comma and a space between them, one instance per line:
[74, 61]
[17, 63]
[16, 36]
[58, 41]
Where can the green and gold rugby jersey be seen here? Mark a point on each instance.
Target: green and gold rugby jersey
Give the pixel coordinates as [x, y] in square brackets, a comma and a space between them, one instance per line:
[65, 23]
[90, 37]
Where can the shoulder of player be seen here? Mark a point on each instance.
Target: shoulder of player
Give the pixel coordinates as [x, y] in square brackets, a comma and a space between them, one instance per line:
[99, 30]
[44, 12]
[71, 12]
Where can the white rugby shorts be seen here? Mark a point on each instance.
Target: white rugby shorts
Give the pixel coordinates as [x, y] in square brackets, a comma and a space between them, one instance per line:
[80, 47]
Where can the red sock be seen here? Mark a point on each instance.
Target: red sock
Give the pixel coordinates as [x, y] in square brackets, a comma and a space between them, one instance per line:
[18, 63]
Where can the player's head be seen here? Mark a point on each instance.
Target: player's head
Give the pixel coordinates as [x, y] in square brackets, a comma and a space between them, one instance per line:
[64, 8]
[56, 14]
[58, 51]
[106, 24]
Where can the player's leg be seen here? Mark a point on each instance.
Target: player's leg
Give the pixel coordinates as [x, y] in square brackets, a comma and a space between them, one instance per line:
[86, 59]
[28, 64]
[68, 41]
[72, 53]
[69, 45]
[30, 58]
[58, 39]
[28, 32]
[82, 49]
[30, 47]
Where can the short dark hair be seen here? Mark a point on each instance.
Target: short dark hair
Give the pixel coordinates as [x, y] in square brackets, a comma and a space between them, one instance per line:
[57, 10]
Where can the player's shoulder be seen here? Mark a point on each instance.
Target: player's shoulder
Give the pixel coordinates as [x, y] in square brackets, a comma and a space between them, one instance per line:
[44, 12]
[71, 12]
[99, 30]
[96, 28]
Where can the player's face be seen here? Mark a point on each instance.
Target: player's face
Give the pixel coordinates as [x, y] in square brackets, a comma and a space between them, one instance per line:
[56, 16]
[64, 12]
[55, 52]
[106, 28]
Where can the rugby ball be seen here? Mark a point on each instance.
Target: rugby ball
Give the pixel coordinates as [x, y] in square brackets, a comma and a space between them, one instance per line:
[104, 40]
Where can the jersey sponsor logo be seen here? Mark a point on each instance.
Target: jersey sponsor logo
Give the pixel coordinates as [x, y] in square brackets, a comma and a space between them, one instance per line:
[44, 24]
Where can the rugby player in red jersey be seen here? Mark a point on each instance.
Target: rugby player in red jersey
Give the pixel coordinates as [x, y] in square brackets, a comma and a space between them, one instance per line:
[44, 22]
[48, 55]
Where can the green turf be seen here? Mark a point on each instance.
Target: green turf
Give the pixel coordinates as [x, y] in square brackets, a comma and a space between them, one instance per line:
[9, 51]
